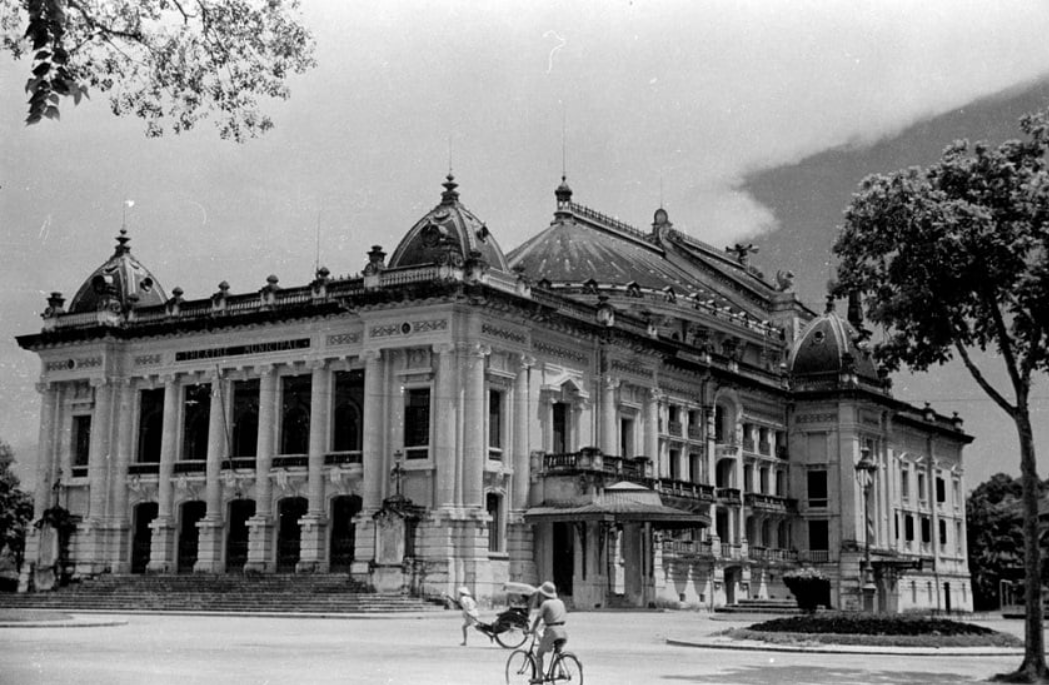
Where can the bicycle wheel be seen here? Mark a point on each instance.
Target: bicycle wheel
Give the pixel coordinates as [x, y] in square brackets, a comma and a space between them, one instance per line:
[567, 669]
[512, 638]
[520, 668]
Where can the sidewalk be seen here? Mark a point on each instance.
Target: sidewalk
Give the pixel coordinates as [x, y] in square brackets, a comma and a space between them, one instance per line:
[722, 642]
[38, 619]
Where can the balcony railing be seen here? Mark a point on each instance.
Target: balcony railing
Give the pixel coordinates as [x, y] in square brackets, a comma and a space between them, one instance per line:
[143, 468]
[765, 448]
[695, 432]
[637, 469]
[814, 556]
[674, 428]
[687, 548]
[190, 466]
[342, 458]
[731, 551]
[769, 503]
[748, 444]
[772, 555]
[291, 460]
[728, 495]
[686, 489]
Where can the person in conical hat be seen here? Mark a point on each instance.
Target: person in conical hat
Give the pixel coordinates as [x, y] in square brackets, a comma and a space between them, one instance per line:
[552, 613]
[468, 605]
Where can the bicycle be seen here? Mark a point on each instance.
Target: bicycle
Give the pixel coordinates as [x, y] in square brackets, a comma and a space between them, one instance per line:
[522, 666]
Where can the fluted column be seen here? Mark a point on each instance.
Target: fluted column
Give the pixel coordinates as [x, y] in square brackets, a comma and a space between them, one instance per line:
[652, 428]
[120, 518]
[209, 546]
[608, 416]
[260, 526]
[312, 555]
[98, 459]
[374, 428]
[474, 421]
[446, 412]
[47, 467]
[162, 542]
[523, 401]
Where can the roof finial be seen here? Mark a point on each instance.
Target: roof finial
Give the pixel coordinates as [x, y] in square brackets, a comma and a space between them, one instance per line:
[450, 196]
[564, 143]
[122, 239]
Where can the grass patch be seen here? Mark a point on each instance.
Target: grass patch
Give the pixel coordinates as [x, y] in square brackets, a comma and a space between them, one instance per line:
[30, 616]
[874, 630]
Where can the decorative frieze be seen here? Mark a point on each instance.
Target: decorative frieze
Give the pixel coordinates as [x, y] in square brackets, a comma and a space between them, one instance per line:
[560, 352]
[408, 328]
[70, 364]
[829, 417]
[242, 350]
[504, 333]
[343, 339]
[148, 359]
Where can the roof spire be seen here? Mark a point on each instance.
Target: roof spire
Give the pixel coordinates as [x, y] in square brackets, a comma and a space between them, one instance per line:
[450, 196]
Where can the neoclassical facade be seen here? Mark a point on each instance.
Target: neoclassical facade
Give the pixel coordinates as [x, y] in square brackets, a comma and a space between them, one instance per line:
[636, 415]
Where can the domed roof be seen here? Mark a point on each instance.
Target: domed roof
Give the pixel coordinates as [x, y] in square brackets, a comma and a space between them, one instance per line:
[122, 277]
[830, 345]
[449, 229]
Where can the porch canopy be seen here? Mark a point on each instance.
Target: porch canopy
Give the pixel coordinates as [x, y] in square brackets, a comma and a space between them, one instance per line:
[623, 502]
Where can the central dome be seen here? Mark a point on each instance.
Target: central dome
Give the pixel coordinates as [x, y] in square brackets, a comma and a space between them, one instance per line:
[448, 228]
[121, 278]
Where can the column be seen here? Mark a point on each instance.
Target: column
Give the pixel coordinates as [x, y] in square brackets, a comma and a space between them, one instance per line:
[209, 548]
[312, 557]
[120, 518]
[372, 461]
[162, 543]
[711, 456]
[446, 412]
[522, 443]
[260, 533]
[652, 428]
[608, 415]
[41, 547]
[474, 421]
[91, 547]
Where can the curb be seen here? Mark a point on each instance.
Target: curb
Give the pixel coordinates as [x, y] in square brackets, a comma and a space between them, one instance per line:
[74, 621]
[754, 646]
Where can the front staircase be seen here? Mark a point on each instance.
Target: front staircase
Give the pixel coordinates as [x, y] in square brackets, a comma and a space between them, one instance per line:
[760, 606]
[325, 593]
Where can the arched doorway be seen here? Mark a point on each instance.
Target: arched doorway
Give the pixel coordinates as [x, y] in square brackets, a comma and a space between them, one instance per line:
[143, 535]
[343, 531]
[240, 510]
[289, 534]
[188, 534]
[733, 574]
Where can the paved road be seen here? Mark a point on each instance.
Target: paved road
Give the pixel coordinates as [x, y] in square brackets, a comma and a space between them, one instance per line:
[616, 648]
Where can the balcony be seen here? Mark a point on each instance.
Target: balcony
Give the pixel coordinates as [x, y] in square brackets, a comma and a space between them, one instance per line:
[290, 461]
[767, 503]
[748, 445]
[685, 549]
[143, 468]
[695, 432]
[694, 493]
[674, 428]
[814, 556]
[728, 495]
[589, 460]
[342, 458]
[731, 551]
[765, 448]
[773, 555]
[196, 466]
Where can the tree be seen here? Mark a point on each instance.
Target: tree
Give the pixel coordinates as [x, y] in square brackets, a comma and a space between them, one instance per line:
[952, 259]
[170, 62]
[16, 507]
[994, 527]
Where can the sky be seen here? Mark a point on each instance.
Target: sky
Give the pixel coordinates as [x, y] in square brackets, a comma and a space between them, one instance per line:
[747, 121]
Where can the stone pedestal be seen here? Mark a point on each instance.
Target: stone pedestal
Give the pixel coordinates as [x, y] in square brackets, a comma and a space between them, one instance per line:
[312, 556]
[162, 547]
[260, 545]
[209, 547]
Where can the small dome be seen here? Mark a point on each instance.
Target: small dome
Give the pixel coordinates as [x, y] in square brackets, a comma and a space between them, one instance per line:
[123, 278]
[830, 345]
[448, 228]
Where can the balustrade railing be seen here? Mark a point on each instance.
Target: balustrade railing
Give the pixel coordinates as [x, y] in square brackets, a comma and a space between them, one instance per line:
[729, 495]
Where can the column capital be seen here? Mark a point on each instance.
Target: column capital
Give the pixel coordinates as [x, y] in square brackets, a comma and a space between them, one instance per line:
[265, 369]
[44, 387]
[656, 395]
[479, 350]
[444, 348]
[612, 382]
[317, 364]
[372, 355]
[99, 382]
[526, 361]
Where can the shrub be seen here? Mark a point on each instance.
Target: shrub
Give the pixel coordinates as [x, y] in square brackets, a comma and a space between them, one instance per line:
[809, 587]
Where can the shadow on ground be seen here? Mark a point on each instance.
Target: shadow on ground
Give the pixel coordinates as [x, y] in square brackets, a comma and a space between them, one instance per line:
[805, 675]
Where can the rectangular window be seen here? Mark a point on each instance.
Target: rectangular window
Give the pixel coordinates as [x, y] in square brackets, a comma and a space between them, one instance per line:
[817, 482]
[245, 418]
[495, 424]
[909, 527]
[926, 530]
[81, 440]
[196, 411]
[495, 524]
[943, 533]
[626, 438]
[956, 489]
[695, 467]
[958, 537]
[150, 425]
[896, 526]
[560, 428]
[295, 414]
[417, 423]
[941, 490]
[922, 496]
[905, 484]
[348, 419]
[819, 535]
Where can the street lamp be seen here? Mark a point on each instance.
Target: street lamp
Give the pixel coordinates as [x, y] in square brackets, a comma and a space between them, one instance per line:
[865, 469]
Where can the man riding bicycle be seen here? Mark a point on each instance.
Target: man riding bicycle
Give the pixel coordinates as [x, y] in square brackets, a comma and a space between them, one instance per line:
[552, 613]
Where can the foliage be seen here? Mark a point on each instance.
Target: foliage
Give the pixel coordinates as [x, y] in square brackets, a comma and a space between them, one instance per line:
[954, 258]
[58, 518]
[170, 62]
[993, 514]
[874, 629]
[808, 586]
[16, 507]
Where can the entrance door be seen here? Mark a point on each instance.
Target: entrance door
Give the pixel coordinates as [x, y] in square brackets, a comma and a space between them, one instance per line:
[240, 510]
[189, 534]
[564, 557]
[140, 542]
[732, 577]
[343, 531]
[289, 534]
